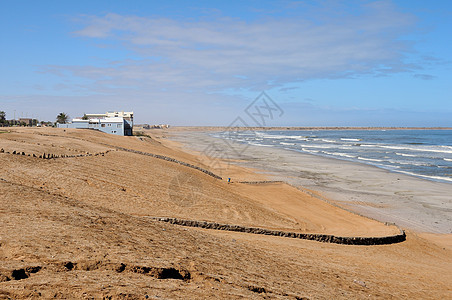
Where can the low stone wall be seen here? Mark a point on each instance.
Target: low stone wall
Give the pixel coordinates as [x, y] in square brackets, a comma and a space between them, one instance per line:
[171, 160]
[139, 152]
[54, 156]
[325, 238]
[261, 182]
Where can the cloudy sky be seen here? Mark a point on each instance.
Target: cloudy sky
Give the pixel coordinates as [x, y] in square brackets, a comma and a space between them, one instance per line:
[324, 63]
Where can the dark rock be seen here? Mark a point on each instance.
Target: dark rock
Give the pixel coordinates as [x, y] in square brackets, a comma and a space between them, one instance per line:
[19, 274]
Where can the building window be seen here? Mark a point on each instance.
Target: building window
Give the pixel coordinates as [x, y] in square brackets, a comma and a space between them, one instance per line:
[102, 125]
[109, 125]
[119, 125]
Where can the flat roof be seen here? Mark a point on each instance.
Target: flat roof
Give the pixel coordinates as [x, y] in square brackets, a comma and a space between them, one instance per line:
[103, 120]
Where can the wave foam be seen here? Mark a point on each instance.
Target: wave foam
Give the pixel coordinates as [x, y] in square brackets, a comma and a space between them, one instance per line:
[310, 151]
[409, 155]
[339, 154]
[422, 149]
[426, 176]
[370, 159]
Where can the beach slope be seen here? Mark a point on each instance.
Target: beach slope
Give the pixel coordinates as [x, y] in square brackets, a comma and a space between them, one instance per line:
[77, 209]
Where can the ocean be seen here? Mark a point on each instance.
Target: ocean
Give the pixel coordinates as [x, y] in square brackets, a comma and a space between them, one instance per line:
[422, 153]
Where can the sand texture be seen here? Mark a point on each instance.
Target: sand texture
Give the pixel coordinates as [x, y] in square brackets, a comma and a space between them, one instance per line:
[77, 209]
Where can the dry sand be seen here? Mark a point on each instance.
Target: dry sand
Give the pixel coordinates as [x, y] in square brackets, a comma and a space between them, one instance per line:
[78, 227]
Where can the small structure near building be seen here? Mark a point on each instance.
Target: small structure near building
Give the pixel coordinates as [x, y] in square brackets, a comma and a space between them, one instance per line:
[26, 121]
[159, 126]
[119, 123]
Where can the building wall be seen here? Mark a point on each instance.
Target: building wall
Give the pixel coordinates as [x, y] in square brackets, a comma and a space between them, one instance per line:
[27, 121]
[111, 127]
[128, 127]
[103, 125]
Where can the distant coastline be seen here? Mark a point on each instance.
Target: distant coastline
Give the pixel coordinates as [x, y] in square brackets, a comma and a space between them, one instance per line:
[221, 128]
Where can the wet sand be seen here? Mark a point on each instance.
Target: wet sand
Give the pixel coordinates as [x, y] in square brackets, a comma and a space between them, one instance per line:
[413, 203]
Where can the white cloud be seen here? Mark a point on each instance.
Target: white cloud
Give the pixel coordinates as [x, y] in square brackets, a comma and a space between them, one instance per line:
[424, 76]
[226, 53]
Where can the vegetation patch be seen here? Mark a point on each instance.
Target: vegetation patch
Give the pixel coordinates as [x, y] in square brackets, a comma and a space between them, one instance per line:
[141, 133]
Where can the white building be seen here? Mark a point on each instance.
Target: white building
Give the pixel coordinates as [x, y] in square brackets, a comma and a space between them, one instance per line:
[119, 123]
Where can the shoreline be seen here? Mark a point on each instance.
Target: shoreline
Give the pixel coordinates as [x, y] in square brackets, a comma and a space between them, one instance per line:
[411, 202]
[291, 128]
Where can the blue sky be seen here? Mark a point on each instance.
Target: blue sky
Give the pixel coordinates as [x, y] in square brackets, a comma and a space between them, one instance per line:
[324, 63]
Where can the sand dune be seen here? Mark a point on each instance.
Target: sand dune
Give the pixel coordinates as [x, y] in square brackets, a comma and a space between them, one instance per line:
[77, 225]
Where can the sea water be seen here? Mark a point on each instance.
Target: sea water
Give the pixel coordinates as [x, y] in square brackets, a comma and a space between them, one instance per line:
[422, 153]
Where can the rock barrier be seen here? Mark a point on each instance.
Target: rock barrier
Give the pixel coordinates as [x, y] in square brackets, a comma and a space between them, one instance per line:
[261, 182]
[158, 156]
[54, 156]
[149, 154]
[325, 238]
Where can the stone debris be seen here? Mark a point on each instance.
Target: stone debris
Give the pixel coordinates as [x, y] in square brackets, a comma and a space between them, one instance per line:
[361, 283]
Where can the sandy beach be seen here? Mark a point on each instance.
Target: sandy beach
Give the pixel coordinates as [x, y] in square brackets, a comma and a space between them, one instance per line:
[79, 207]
